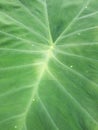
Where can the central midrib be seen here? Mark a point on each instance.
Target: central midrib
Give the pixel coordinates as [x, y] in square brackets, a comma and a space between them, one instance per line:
[43, 69]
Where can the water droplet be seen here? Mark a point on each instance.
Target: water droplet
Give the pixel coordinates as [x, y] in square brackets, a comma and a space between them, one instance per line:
[15, 126]
[33, 99]
[71, 66]
[86, 7]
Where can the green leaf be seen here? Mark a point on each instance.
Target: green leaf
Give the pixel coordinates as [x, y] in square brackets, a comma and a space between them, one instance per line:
[48, 65]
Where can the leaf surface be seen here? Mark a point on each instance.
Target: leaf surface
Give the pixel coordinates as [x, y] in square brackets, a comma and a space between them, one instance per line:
[48, 65]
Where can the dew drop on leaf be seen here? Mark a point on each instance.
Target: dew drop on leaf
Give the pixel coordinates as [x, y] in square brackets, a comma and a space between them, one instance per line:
[15, 126]
[71, 66]
[33, 99]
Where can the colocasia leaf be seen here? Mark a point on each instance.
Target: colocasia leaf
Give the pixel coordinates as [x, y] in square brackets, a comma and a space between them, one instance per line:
[48, 64]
